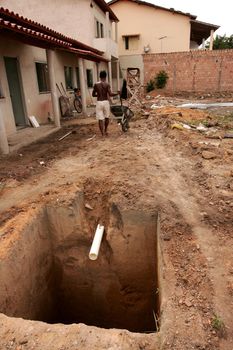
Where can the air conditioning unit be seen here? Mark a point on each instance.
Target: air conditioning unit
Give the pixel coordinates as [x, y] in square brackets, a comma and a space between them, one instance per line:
[147, 49]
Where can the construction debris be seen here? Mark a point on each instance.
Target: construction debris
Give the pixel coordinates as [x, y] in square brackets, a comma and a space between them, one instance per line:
[177, 126]
[91, 138]
[64, 136]
[88, 206]
[228, 136]
[33, 121]
[205, 105]
[134, 87]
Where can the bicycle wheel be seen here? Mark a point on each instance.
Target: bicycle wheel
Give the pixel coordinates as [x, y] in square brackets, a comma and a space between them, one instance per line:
[78, 105]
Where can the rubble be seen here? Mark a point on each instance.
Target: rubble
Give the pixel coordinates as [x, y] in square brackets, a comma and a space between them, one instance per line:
[208, 155]
[206, 105]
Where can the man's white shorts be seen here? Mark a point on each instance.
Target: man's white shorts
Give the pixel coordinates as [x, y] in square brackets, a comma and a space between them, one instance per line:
[102, 110]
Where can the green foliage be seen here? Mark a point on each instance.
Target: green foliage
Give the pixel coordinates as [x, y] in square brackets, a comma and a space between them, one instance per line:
[161, 79]
[222, 42]
[150, 85]
[158, 82]
[217, 323]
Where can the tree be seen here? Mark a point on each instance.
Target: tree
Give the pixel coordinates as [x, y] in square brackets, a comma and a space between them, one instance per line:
[221, 42]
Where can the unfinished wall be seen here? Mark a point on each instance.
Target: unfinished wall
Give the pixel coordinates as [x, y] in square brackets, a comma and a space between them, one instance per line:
[194, 71]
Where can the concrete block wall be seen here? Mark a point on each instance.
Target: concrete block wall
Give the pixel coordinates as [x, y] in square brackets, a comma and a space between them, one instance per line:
[194, 71]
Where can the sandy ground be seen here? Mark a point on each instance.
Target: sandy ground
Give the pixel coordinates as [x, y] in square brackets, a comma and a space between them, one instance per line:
[153, 167]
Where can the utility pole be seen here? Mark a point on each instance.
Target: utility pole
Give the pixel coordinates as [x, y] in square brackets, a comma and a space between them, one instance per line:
[161, 42]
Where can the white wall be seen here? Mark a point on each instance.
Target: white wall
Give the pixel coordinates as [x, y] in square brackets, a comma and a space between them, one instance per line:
[36, 104]
[5, 102]
[74, 18]
[151, 24]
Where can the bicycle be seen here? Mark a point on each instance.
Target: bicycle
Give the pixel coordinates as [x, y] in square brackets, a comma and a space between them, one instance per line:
[77, 100]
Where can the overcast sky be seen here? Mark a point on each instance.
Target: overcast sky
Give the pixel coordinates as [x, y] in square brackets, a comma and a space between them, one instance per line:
[215, 12]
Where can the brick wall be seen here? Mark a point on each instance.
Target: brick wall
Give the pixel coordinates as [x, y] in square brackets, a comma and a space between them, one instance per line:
[197, 71]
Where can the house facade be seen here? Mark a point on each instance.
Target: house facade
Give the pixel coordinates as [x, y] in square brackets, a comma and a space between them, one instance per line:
[148, 28]
[53, 43]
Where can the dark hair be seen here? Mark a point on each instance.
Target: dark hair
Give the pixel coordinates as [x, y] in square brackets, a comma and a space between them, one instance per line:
[103, 74]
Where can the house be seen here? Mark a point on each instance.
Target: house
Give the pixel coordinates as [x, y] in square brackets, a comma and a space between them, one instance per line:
[51, 45]
[148, 28]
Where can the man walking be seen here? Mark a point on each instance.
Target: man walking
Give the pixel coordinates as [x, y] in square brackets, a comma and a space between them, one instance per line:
[102, 91]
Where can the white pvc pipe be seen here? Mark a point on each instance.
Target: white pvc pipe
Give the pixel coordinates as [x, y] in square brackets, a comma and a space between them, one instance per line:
[94, 251]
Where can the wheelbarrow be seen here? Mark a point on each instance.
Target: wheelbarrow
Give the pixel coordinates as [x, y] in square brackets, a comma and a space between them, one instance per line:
[122, 113]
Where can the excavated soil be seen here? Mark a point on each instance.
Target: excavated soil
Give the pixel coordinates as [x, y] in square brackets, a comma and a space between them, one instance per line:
[56, 282]
[157, 284]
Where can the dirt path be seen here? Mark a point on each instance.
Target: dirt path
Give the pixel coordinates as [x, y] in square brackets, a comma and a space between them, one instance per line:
[210, 245]
[147, 170]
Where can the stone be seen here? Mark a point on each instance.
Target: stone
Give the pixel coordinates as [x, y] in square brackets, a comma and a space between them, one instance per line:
[88, 206]
[167, 237]
[194, 145]
[188, 303]
[208, 155]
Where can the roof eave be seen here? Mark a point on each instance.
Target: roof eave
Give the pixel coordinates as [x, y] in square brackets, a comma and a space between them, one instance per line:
[201, 30]
[6, 14]
[140, 2]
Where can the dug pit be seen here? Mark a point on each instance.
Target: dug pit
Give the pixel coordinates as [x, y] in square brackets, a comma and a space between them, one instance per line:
[46, 273]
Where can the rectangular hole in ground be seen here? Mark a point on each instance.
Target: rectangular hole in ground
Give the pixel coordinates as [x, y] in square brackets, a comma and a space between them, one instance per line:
[47, 275]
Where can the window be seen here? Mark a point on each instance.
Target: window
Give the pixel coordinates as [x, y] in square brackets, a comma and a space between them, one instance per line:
[126, 42]
[131, 42]
[89, 78]
[97, 32]
[68, 77]
[42, 77]
[99, 29]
